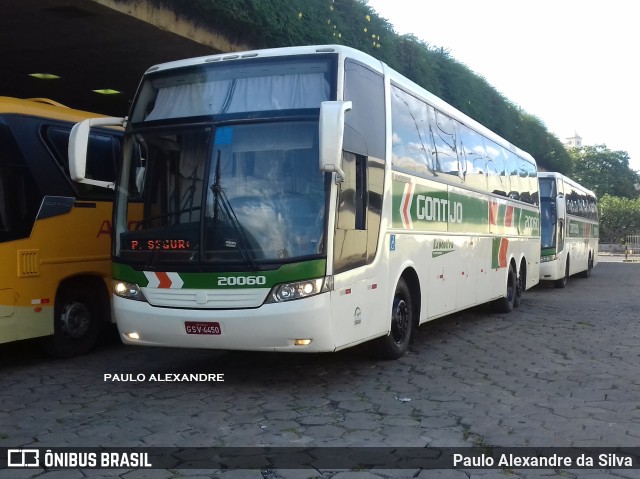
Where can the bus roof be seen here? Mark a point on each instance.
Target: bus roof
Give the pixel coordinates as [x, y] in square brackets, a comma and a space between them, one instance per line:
[362, 57]
[272, 52]
[566, 179]
[43, 107]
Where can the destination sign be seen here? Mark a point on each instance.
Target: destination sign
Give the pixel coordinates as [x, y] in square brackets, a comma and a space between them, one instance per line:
[160, 244]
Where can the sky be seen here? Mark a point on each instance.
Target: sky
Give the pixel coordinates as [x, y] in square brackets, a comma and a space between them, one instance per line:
[571, 63]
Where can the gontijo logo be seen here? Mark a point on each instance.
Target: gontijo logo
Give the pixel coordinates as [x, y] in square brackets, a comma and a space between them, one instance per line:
[438, 209]
[428, 208]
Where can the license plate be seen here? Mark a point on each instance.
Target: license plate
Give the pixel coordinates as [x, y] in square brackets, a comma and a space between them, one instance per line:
[201, 327]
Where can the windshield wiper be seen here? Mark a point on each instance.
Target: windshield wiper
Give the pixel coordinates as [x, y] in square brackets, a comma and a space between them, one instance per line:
[220, 200]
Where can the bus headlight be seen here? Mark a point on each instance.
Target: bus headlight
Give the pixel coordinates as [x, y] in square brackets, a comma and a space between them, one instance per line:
[300, 289]
[546, 259]
[128, 291]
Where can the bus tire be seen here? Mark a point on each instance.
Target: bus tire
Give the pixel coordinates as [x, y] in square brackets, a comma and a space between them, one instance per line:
[77, 322]
[562, 282]
[587, 273]
[395, 344]
[521, 285]
[507, 303]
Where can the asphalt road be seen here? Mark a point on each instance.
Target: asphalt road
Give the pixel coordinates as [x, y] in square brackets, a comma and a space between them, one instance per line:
[563, 370]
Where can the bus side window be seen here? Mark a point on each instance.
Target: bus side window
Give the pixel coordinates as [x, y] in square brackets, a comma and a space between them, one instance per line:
[497, 180]
[511, 170]
[102, 157]
[352, 203]
[19, 195]
[525, 186]
[365, 124]
[533, 183]
[412, 148]
[443, 134]
[472, 153]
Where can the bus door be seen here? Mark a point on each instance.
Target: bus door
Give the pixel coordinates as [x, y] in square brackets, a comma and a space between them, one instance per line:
[8, 329]
[19, 202]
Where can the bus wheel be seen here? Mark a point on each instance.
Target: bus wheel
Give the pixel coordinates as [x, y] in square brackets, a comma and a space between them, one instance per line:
[77, 323]
[396, 343]
[521, 286]
[562, 282]
[506, 304]
[587, 272]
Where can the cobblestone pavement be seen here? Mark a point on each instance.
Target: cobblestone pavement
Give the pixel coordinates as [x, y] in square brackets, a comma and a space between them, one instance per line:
[561, 370]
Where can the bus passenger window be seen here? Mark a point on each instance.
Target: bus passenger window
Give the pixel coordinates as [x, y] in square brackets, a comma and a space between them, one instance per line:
[472, 154]
[511, 170]
[533, 183]
[525, 184]
[19, 195]
[443, 132]
[412, 148]
[497, 179]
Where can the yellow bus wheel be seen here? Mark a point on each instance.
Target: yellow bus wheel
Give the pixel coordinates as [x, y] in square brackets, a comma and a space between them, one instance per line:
[77, 322]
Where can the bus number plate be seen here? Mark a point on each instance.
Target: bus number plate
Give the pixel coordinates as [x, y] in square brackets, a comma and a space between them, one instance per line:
[199, 327]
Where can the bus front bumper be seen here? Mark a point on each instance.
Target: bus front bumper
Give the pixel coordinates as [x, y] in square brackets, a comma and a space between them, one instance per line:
[551, 270]
[302, 325]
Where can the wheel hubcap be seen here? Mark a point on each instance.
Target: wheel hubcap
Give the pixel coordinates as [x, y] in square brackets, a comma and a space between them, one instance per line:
[75, 319]
[400, 320]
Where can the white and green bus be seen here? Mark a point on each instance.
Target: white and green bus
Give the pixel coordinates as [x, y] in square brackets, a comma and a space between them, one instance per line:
[569, 240]
[310, 199]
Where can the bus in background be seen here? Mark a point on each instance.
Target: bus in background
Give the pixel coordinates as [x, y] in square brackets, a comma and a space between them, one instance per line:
[309, 199]
[569, 242]
[54, 233]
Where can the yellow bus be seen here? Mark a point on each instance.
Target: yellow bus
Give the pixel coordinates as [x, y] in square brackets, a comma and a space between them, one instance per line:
[55, 234]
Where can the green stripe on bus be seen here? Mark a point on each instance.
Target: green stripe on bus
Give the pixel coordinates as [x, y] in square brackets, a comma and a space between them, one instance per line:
[285, 273]
[582, 229]
[431, 206]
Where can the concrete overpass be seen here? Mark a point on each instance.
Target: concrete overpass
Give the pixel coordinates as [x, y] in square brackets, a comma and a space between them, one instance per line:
[91, 46]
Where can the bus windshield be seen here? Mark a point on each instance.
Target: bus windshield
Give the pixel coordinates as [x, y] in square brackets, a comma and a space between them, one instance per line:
[260, 85]
[548, 188]
[549, 220]
[246, 195]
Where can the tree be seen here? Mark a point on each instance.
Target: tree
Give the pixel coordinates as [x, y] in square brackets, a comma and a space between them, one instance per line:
[604, 171]
[278, 23]
[619, 217]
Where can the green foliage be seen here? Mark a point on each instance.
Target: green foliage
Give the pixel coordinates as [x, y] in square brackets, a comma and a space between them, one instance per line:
[403, 54]
[619, 217]
[278, 23]
[604, 171]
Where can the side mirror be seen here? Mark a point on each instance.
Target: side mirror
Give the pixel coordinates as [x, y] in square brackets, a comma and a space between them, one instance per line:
[332, 136]
[78, 146]
[562, 206]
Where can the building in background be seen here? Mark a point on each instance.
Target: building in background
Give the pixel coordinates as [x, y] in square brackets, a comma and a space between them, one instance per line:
[574, 142]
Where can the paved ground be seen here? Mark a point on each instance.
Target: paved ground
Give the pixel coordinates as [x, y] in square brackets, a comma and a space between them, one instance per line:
[562, 370]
